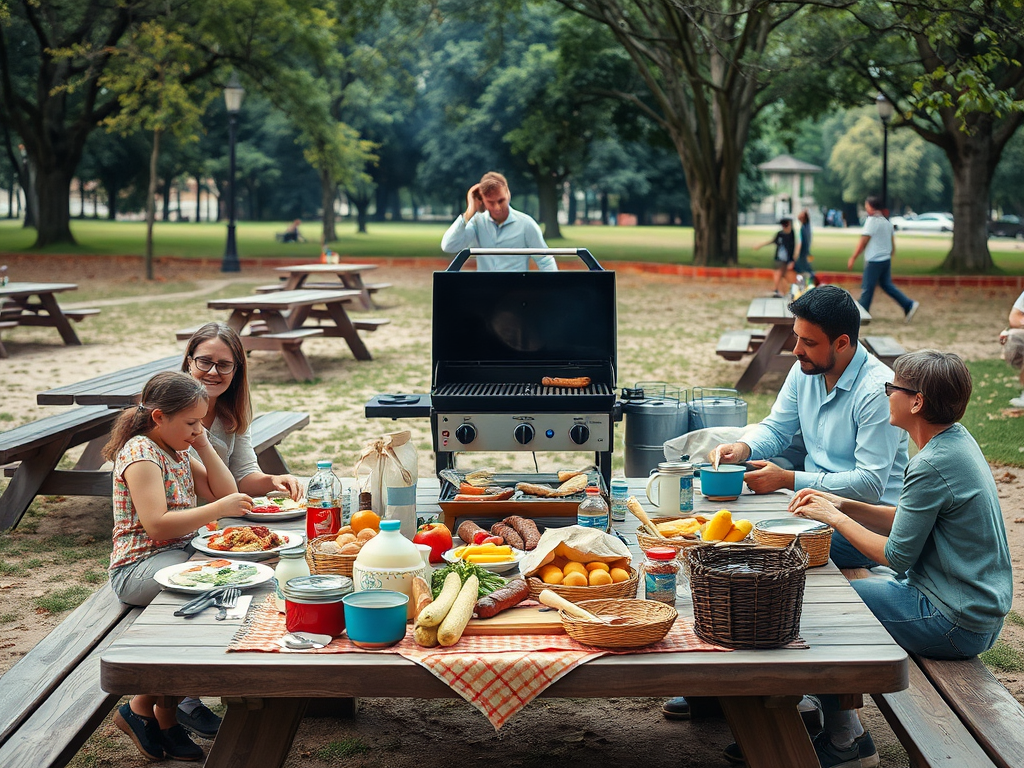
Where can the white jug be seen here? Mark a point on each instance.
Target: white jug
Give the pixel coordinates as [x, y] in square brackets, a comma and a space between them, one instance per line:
[670, 488]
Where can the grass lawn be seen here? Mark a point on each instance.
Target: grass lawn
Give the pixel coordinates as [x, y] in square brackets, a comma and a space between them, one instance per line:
[916, 254]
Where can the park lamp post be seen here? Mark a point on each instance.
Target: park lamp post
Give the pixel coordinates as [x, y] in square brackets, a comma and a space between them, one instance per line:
[233, 93]
[885, 110]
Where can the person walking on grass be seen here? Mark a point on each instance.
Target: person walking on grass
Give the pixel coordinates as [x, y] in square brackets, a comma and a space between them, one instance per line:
[878, 246]
[155, 519]
[785, 248]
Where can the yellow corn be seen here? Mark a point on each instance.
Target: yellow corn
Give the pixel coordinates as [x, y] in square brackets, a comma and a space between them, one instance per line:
[740, 530]
[488, 558]
[719, 526]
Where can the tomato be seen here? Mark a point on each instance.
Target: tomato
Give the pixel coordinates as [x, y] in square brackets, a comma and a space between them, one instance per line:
[437, 537]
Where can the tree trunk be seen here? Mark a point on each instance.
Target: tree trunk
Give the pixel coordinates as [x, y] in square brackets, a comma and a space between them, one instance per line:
[715, 219]
[111, 200]
[53, 191]
[572, 205]
[10, 199]
[972, 176]
[380, 204]
[166, 216]
[199, 199]
[604, 208]
[151, 204]
[328, 191]
[362, 213]
[547, 203]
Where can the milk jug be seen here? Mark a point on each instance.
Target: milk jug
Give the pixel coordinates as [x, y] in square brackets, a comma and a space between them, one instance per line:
[670, 488]
[388, 561]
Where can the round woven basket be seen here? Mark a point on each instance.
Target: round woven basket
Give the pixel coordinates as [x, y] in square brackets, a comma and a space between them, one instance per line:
[647, 541]
[815, 543]
[326, 562]
[648, 621]
[747, 597]
[624, 589]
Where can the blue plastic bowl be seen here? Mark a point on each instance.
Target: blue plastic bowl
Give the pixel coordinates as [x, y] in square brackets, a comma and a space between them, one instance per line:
[375, 618]
[725, 483]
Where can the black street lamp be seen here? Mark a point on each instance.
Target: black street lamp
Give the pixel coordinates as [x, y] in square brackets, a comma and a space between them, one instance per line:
[885, 110]
[233, 93]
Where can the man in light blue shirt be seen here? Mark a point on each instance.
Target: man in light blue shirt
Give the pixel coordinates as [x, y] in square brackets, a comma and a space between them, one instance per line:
[490, 222]
[835, 396]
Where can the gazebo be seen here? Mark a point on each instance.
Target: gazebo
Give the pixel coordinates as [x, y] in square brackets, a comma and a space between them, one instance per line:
[792, 185]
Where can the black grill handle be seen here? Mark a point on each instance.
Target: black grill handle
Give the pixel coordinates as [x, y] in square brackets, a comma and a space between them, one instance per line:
[585, 256]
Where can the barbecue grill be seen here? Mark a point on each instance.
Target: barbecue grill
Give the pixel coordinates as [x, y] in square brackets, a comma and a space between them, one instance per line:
[495, 336]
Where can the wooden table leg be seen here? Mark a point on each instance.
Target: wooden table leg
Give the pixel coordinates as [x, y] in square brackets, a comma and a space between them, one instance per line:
[354, 281]
[239, 318]
[294, 281]
[348, 331]
[770, 731]
[58, 321]
[256, 733]
[766, 356]
[28, 480]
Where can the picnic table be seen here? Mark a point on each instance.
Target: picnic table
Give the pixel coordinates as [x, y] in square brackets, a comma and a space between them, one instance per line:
[267, 693]
[277, 322]
[18, 308]
[773, 350]
[349, 277]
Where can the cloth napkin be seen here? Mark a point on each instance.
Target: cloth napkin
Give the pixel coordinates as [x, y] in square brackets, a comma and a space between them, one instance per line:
[240, 610]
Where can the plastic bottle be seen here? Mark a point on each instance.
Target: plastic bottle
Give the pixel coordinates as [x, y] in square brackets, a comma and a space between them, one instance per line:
[3, 275]
[620, 495]
[593, 511]
[323, 502]
[291, 565]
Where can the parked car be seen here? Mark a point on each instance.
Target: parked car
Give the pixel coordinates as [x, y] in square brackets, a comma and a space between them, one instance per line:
[925, 222]
[1008, 226]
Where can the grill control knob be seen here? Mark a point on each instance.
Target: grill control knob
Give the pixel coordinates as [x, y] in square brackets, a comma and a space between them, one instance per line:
[523, 434]
[465, 433]
[579, 433]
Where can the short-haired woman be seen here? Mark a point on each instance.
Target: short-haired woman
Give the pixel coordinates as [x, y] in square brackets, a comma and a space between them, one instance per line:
[947, 541]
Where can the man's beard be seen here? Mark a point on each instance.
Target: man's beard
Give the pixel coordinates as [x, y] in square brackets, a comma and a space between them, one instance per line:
[819, 369]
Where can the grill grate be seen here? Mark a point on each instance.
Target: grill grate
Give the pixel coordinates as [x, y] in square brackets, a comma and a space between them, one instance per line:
[498, 389]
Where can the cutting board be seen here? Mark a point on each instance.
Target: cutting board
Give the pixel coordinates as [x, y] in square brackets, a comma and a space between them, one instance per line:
[518, 621]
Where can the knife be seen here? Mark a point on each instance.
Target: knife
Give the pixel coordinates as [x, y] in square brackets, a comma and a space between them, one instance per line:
[194, 606]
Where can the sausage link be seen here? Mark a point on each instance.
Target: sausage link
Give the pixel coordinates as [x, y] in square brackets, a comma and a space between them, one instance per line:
[527, 530]
[467, 530]
[558, 381]
[509, 534]
[510, 595]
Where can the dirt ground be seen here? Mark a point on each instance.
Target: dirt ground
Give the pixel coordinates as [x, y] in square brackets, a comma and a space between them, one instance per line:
[66, 541]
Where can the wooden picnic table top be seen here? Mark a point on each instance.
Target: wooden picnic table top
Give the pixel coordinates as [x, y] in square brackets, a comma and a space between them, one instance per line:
[775, 311]
[326, 269]
[116, 389]
[283, 300]
[849, 653]
[18, 289]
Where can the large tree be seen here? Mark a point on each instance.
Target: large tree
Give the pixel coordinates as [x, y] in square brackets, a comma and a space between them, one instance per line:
[707, 69]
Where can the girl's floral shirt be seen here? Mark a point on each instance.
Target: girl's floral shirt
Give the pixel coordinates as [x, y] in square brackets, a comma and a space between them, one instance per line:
[131, 542]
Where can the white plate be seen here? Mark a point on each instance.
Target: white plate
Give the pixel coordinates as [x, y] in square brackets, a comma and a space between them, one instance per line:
[263, 574]
[284, 514]
[518, 554]
[200, 543]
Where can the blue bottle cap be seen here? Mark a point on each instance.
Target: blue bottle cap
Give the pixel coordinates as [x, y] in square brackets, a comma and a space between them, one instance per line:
[324, 464]
[390, 525]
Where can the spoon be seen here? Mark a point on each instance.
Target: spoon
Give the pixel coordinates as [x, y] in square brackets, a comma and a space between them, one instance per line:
[299, 642]
[557, 601]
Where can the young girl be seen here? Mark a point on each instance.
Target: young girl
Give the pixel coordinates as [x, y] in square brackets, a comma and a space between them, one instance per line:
[155, 519]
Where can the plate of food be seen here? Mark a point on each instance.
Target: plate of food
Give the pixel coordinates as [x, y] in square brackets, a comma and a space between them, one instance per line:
[494, 558]
[199, 576]
[245, 542]
[271, 508]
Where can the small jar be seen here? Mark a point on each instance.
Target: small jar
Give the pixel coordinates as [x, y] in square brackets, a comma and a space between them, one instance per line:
[619, 495]
[661, 570]
[290, 565]
[313, 604]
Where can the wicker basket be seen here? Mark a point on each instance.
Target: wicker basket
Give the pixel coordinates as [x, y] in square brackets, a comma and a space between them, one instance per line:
[647, 541]
[815, 543]
[623, 589]
[648, 622]
[325, 562]
[757, 606]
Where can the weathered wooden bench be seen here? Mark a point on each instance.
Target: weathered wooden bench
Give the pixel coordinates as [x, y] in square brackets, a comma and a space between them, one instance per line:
[40, 445]
[733, 345]
[956, 713]
[51, 701]
[885, 348]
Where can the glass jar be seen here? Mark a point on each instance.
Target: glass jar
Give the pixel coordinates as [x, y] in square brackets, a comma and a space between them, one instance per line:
[291, 565]
[661, 570]
[620, 495]
[314, 604]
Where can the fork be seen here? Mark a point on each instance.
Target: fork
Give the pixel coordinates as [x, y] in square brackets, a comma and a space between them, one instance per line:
[227, 599]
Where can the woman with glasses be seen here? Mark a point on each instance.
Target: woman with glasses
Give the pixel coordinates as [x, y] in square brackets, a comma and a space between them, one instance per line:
[215, 357]
[947, 541]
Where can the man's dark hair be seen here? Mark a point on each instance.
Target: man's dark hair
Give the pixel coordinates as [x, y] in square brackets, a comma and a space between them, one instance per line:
[875, 202]
[830, 308]
[785, 222]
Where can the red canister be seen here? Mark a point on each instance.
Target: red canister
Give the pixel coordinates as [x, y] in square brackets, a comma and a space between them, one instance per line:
[313, 604]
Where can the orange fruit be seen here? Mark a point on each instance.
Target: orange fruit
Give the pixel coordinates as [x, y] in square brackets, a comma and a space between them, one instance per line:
[574, 579]
[599, 577]
[598, 566]
[574, 567]
[619, 574]
[364, 518]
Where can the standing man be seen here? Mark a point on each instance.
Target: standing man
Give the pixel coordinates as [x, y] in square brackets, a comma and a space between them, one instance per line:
[878, 246]
[803, 250]
[490, 222]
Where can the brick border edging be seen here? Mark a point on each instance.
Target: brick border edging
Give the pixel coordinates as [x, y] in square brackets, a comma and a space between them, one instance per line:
[644, 267]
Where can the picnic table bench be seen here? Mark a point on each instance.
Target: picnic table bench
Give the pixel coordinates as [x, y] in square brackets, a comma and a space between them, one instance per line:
[18, 308]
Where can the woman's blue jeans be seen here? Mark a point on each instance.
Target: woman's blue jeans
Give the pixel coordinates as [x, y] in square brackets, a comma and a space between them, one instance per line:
[916, 624]
[878, 273]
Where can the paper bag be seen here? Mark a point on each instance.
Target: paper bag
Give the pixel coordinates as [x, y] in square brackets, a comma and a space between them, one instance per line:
[391, 460]
[576, 542]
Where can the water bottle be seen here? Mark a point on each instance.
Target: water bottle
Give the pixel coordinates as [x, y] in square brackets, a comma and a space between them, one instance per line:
[593, 511]
[620, 495]
[3, 275]
[323, 502]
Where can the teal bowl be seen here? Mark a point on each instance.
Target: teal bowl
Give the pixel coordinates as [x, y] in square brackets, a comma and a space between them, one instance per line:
[375, 618]
[724, 483]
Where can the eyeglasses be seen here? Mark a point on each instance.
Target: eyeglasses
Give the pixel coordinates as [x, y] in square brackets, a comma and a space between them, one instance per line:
[205, 364]
[890, 388]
